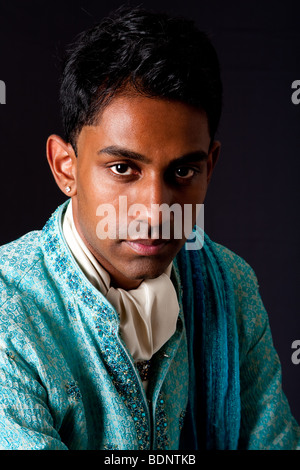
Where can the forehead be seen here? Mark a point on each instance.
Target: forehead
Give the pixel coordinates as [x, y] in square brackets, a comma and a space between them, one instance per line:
[148, 125]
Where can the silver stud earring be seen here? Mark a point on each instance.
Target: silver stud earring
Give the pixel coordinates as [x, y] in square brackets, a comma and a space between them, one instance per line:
[68, 189]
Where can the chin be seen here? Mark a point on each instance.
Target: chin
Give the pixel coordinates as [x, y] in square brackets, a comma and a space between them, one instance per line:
[146, 269]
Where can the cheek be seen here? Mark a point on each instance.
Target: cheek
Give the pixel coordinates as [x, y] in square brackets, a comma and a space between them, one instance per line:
[201, 190]
[94, 189]
[196, 194]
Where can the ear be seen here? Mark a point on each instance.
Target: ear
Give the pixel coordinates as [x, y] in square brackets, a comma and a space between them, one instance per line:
[213, 155]
[63, 163]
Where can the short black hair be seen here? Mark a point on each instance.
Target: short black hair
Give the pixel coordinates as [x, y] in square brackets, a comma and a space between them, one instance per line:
[155, 54]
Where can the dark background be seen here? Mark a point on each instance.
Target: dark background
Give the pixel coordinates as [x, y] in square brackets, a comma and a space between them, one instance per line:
[252, 204]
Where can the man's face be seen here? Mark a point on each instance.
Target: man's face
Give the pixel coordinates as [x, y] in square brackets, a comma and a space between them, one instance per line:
[150, 151]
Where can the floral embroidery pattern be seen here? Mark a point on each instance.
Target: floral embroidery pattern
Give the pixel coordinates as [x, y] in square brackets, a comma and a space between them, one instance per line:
[181, 419]
[9, 354]
[110, 447]
[161, 425]
[72, 390]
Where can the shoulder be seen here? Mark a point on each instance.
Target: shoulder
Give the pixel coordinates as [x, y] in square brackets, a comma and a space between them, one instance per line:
[17, 258]
[20, 253]
[239, 269]
[251, 316]
[242, 275]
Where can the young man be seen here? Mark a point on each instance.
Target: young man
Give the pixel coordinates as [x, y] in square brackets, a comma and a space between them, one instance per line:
[114, 336]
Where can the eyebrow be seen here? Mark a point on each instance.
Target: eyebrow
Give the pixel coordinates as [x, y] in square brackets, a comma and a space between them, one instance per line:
[116, 151]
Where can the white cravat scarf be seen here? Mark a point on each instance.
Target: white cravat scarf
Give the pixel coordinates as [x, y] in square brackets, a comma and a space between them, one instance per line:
[148, 314]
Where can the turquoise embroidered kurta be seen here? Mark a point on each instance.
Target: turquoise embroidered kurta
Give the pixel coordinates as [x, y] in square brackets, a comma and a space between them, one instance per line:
[67, 380]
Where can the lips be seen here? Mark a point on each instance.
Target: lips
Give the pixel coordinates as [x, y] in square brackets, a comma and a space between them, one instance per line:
[147, 247]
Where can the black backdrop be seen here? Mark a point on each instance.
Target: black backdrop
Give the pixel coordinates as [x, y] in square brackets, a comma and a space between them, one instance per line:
[252, 203]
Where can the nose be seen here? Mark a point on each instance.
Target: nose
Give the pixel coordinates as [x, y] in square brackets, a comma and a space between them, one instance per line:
[155, 197]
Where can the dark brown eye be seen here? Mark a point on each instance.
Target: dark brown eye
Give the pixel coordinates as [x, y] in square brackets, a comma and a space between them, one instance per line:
[121, 169]
[184, 172]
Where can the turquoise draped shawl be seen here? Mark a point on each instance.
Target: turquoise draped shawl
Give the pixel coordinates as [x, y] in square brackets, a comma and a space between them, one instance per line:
[213, 415]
